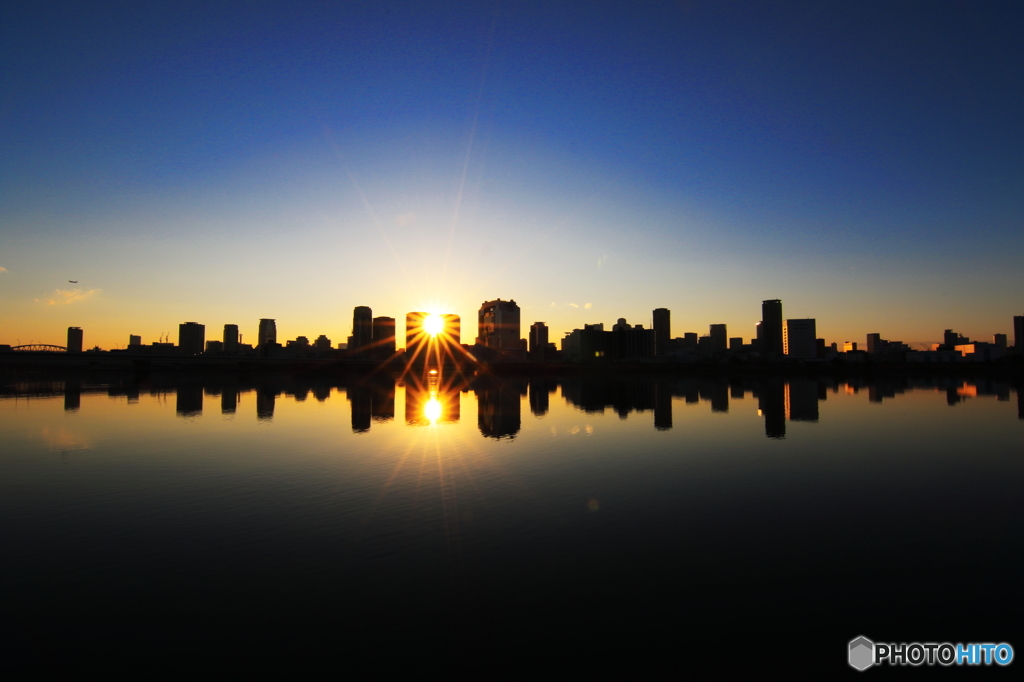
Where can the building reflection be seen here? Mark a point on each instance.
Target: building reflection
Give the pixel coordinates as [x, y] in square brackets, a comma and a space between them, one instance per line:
[229, 400]
[498, 406]
[802, 400]
[189, 401]
[72, 395]
[361, 400]
[372, 400]
[771, 402]
[430, 399]
[266, 397]
[540, 390]
[662, 406]
[382, 408]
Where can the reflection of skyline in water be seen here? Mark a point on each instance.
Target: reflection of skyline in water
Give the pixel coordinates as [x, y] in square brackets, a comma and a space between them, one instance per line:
[436, 399]
[432, 399]
[675, 485]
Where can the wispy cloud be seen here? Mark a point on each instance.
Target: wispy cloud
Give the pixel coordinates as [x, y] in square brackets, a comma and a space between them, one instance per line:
[67, 296]
[574, 305]
[3, 269]
[588, 306]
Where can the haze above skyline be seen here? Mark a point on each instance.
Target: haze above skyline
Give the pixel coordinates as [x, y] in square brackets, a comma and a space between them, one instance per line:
[255, 160]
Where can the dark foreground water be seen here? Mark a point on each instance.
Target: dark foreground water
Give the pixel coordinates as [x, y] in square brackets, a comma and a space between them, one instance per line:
[674, 521]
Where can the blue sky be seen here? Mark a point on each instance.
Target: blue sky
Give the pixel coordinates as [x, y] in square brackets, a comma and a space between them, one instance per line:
[182, 161]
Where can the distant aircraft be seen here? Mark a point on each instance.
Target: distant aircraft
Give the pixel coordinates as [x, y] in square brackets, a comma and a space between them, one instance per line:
[73, 281]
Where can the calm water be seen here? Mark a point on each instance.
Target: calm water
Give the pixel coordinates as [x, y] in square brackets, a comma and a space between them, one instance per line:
[636, 514]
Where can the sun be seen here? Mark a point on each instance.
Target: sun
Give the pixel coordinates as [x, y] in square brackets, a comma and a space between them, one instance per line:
[433, 324]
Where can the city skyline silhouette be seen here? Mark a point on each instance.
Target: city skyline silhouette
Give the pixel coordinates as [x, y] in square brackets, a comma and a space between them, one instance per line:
[241, 162]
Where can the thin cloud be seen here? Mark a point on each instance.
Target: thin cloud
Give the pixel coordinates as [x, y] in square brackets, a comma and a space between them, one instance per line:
[574, 305]
[3, 269]
[68, 296]
[588, 306]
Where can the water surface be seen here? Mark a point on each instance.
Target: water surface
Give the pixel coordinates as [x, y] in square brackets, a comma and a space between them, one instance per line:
[627, 512]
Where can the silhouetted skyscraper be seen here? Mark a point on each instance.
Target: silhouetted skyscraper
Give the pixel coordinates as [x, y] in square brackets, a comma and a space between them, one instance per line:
[662, 330]
[538, 341]
[800, 338]
[362, 328]
[498, 325]
[416, 337]
[1018, 332]
[191, 338]
[719, 337]
[384, 337]
[231, 338]
[74, 340]
[452, 329]
[771, 327]
[267, 334]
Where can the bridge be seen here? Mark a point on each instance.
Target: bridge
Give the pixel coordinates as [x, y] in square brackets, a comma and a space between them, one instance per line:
[40, 348]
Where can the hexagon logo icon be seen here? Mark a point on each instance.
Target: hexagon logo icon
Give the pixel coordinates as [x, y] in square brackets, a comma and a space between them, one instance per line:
[862, 653]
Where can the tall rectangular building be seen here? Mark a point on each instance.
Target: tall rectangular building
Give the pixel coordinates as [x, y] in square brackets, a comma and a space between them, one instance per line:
[719, 337]
[384, 336]
[800, 339]
[1018, 332]
[74, 340]
[662, 319]
[538, 341]
[191, 338]
[362, 328]
[771, 327]
[230, 338]
[267, 333]
[452, 330]
[498, 325]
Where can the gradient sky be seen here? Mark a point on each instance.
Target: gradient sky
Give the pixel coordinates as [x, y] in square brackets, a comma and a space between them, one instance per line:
[223, 162]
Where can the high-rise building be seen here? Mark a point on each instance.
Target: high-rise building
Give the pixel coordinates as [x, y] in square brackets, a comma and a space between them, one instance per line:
[538, 341]
[1018, 332]
[267, 333]
[999, 340]
[452, 329]
[384, 337]
[498, 325]
[134, 340]
[874, 343]
[362, 328]
[952, 339]
[771, 327]
[191, 338]
[662, 330]
[231, 338]
[74, 340]
[719, 337]
[800, 339]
